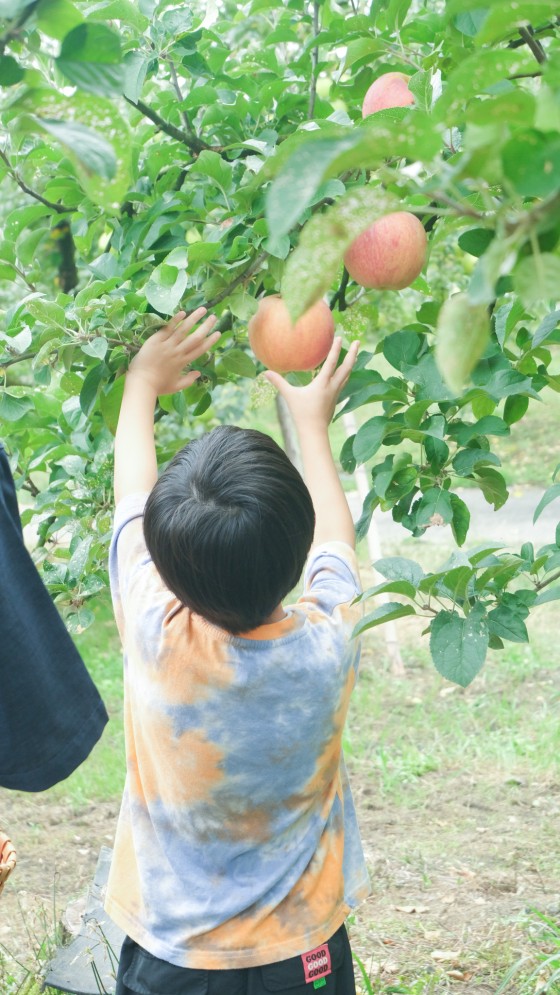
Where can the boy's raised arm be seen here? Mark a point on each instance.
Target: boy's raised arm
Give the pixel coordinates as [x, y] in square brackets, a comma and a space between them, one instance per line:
[312, 408]
[158, 368]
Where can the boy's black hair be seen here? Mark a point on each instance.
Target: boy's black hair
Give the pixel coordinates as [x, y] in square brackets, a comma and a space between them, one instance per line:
[229, 525]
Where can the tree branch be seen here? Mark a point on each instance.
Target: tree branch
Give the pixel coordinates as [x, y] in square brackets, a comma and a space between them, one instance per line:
[178, 91]
[534, 44]
[518, 42]
[340, 295]
[243, 277]
[13, 32]
[314, 63]
[192, 141]
[547, 581]
[59, 208]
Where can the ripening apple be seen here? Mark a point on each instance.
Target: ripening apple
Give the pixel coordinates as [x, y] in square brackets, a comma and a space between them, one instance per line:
[283, 346]
[389, 90]
[390, 254]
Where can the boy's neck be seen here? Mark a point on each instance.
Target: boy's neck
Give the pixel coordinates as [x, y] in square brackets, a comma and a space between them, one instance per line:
[277, 615]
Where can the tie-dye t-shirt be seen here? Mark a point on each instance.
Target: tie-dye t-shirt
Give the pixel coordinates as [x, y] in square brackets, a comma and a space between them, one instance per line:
[237, 842]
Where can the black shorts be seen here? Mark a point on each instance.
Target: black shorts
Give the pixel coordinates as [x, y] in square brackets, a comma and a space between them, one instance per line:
[142, 974]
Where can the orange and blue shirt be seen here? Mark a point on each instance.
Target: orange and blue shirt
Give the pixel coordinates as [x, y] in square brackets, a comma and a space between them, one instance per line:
[237, 842]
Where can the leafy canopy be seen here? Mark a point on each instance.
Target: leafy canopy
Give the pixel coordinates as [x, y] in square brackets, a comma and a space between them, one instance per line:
[156, 155]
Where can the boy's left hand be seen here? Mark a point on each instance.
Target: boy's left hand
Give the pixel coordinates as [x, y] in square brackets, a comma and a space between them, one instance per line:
[164, 355]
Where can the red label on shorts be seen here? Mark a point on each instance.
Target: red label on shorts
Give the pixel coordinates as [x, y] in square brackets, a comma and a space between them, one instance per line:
[317, 963]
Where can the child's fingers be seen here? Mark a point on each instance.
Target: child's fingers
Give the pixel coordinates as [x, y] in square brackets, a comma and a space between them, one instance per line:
[173, 322]
[277, 381]
[329, 366]
[188, 379]
[342, 373]
[197, 345]
[187, 321]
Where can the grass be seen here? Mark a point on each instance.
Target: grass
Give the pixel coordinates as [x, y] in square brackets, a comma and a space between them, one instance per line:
[101, 777]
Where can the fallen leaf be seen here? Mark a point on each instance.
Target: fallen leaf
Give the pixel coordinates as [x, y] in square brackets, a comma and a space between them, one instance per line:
[444, 955]
[387, 942]
[456, 975]
[463, 872]
[412, 909]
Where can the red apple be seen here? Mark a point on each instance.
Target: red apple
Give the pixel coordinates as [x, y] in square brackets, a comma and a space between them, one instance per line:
[390, 254]
[390, 90]
[283, 346]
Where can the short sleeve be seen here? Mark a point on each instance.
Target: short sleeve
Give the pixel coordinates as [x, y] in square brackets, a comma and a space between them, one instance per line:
[127, 552]
[331, 576]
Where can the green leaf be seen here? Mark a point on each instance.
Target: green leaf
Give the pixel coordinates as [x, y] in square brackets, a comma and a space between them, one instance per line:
[476, 241]
[239, 363]
[531, 162]
[165, 288]
[492, 485]
[434, 508]
[459, 645]
[549, 495]
[503, 19]
[96, 347]
[537, 278]
[369, 437]
[135, 65]
[403, 587]
[463, 331]
[466, 460]
[110, 404]
[507, 624]
[383, 135]
[400, 568]
[489, 425]
[550, 594]
[402, 349]
[13, 407]
[470, 21]
[57, 17]
[10, 71]
[215, 168]
[385, 613]
[94, 153]
[515, 408]
[90, 58]
[475, 75]
[546, 327]
[92, 112]
[461, 519]
[90, 387]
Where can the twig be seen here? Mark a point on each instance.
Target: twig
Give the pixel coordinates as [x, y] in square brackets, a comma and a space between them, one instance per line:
[178, 91]
[547, 581]
[458, 206]
[59, 208]
[314, 63]
[192, 141]
[13, 32]
[241, 278]
[518, 42]
[534, 44]
[340, 296]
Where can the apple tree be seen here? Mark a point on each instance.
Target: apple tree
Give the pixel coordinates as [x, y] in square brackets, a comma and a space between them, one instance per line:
[157, 155]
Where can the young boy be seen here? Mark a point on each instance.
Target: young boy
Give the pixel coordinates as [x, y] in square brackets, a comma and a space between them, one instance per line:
[237, 855]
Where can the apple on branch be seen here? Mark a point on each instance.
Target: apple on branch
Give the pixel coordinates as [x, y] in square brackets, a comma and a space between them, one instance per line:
[390, 254]
[389, 90]
[283, 346]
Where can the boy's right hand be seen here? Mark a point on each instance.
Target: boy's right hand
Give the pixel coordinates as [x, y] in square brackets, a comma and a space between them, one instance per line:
[314, 405]
[162, 360]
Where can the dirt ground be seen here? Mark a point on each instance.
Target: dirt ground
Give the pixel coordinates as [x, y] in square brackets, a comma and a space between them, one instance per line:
[449, 880]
